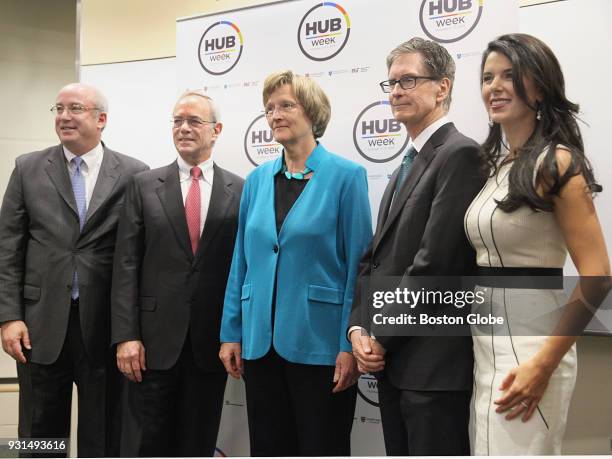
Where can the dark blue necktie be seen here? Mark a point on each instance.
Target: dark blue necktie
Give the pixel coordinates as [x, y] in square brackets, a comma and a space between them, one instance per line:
[405, 168]
[78, 188]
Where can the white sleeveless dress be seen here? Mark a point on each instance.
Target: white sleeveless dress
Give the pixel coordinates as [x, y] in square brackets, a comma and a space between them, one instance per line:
[520, 239]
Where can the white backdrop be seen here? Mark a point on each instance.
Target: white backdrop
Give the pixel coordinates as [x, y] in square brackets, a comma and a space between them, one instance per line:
[343, 47]
[142, 95]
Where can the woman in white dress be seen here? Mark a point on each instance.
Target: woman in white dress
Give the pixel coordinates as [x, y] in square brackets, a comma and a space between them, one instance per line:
[536, 206]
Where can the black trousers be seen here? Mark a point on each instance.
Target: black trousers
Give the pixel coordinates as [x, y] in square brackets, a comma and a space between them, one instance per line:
[292, 411]
[424, 423]
[173, 412]
[45, 397]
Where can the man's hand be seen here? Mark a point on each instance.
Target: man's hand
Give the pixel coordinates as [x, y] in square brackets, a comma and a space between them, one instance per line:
[345, 374]
[369, 353]
[231, 356]
[131, 359]
[14, 334]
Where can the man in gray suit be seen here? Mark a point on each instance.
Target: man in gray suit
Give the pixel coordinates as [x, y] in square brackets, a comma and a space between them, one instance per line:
[174, 250]
[424, 382]
[57, 235]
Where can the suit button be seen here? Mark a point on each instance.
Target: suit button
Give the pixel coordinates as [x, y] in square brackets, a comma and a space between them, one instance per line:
[375, 265]
[275, 249]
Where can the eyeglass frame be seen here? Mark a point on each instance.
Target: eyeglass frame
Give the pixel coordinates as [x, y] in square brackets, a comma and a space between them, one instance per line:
[284, 107]
[82, 109]
[190, 121]
[388, 85]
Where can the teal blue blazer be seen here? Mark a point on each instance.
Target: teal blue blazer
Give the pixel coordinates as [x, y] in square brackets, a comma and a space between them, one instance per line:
[313, 262]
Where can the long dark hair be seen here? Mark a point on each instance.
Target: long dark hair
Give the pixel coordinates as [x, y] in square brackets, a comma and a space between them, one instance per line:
[532, 58]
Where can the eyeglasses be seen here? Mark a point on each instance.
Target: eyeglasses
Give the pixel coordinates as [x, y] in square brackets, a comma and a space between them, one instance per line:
[405, 82]
[192, 122]
[75, 109]
[284, 107]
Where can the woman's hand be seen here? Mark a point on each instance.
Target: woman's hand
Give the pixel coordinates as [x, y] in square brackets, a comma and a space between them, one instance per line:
[523, 389]
[346, 373]
[231, 356]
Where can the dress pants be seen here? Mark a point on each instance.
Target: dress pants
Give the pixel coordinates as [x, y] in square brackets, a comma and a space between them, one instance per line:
[45, 396]
[173, 412]
[292, 411]
[424, 423]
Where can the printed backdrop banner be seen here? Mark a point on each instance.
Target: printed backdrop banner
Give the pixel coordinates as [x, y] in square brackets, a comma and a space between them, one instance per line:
[343, 46]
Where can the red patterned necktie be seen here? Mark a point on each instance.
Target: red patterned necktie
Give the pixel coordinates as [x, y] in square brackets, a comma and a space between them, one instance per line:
[193, 207]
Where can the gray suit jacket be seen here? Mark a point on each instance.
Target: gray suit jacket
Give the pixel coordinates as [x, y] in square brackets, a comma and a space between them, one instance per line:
[41, 245]
[162, 292]
[420, 233]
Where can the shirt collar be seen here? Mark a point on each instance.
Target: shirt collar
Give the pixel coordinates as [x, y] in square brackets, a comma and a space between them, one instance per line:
[420, 140]
[185, 169]
[91, 159]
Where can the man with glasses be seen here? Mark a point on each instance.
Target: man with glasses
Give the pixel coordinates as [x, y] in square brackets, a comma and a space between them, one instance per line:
[424, 383]
[175, 244]
[57, 234]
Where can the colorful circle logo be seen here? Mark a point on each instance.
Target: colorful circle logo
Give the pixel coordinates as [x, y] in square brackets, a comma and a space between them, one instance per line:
[377, 135]
[259, 144]
[447, 21]
[324, 31]
[220, 47]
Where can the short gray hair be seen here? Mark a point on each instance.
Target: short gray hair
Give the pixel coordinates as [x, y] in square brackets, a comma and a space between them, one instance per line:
[435, 56]
[100, 100]
[214, 110]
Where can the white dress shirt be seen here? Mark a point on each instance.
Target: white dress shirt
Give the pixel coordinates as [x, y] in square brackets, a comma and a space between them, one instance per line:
[206, 182]
[90, 168]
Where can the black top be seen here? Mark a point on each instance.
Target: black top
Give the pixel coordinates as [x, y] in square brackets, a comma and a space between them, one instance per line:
[286, 192]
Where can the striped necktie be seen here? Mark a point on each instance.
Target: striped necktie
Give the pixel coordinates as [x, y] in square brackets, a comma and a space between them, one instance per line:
[80, 196]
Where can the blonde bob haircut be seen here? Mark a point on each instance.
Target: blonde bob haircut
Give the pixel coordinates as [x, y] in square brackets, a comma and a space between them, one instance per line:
[308, 93]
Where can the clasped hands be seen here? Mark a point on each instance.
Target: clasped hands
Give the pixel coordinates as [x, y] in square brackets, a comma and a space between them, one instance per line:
[368, 352]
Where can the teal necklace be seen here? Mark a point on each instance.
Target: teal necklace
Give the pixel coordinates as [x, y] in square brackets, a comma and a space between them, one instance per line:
[296, 175]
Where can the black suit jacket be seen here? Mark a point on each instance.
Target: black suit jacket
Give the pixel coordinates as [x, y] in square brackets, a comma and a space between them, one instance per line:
[421, 233]
[41, 244]
[160, 289]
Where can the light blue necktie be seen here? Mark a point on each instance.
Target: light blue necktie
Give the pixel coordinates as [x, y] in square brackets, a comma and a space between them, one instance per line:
[405, 168]
[78, 188]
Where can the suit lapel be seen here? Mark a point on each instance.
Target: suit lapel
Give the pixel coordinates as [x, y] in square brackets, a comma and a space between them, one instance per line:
[420, 165]
[107, 179]
[58, 173]
[220, 201]
[169, 193]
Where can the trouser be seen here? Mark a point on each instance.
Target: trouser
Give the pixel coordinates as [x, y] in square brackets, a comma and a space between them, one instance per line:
[45, 396]
[292, 411]
[424, 423]
[173, 412]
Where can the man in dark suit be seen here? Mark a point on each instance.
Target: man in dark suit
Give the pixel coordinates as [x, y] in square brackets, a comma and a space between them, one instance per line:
[425, 382]
[57, 235]
[176, 239]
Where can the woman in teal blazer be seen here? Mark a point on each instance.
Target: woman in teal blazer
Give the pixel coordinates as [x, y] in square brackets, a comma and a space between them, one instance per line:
[304, 223]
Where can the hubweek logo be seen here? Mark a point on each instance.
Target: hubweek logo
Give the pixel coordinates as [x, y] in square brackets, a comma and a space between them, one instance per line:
[324, 31]
[446, 21]
[378, 136]
[220, 47]
[259, 143]
[367, 388]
